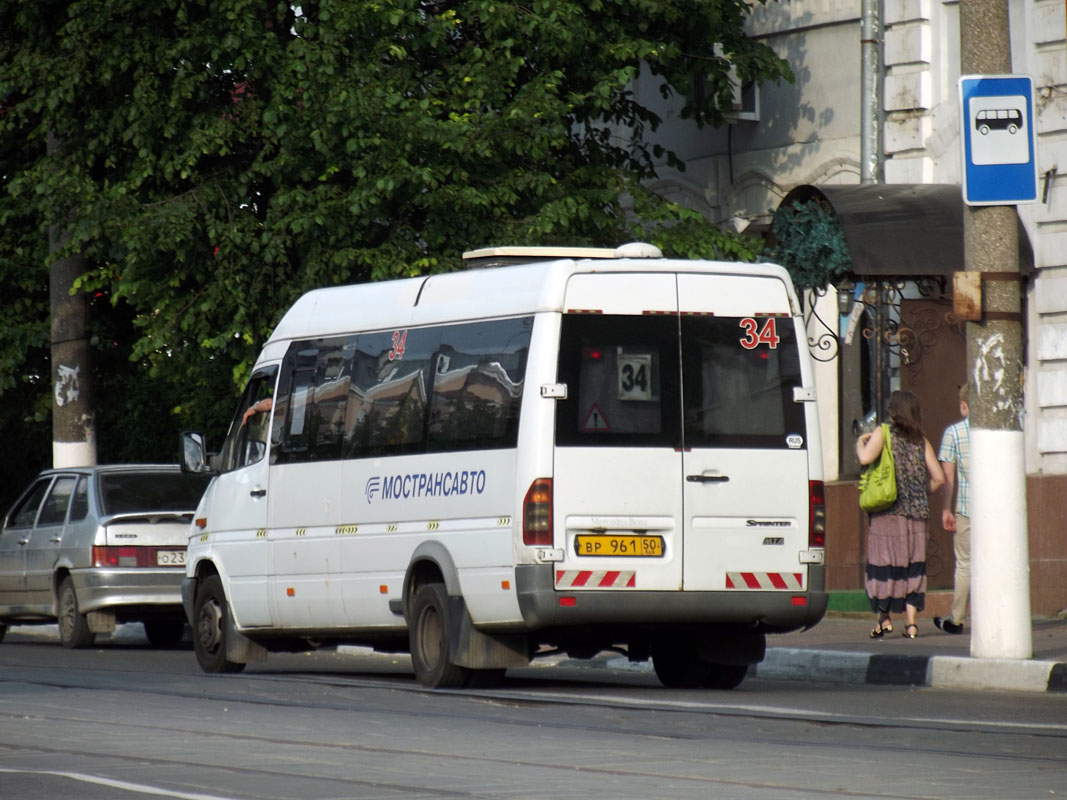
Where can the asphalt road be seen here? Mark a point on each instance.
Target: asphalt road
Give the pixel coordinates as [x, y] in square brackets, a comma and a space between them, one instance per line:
[121, 720]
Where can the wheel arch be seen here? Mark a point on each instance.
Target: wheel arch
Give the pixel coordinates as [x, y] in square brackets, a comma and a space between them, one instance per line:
[206, 567]
[431, 562]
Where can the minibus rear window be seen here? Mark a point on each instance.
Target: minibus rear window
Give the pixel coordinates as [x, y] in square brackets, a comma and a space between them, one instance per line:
[739, 375]
[626, 386]
[622, 379]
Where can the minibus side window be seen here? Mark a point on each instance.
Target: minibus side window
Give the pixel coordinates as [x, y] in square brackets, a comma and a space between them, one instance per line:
[442, 388]
[477, 385]
[738, 376]
[389, 392]
[330, 398]
[316, 375]
[246, 443]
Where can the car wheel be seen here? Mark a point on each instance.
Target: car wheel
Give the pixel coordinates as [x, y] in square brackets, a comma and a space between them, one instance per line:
[73, 626]
[3, 630]
[679, 666]
[725, 676]
[429, 640]
[164, 632]
[211, 615]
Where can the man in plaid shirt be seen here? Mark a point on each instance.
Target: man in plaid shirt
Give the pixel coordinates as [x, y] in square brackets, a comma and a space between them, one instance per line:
[955, 449]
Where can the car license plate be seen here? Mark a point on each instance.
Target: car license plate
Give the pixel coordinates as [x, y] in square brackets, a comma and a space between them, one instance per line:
[598, 544]
[170, 558]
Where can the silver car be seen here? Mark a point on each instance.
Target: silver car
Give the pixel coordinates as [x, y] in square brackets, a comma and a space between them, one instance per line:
[92, 547]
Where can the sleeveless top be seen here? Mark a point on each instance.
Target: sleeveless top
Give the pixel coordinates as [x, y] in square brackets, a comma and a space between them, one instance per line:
[913, 479]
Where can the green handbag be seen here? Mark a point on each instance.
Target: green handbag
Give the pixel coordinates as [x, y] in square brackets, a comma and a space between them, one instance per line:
[878, 483]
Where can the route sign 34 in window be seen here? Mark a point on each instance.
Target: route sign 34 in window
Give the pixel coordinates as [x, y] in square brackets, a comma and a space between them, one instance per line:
[998, 139]
[635, 376]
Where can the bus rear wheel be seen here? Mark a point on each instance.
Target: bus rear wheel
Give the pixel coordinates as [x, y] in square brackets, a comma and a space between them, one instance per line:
[428, 639]
[678, 665]
[725, 676]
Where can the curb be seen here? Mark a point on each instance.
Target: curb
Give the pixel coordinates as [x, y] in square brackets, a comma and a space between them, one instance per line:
[842, 666]
[939, 672]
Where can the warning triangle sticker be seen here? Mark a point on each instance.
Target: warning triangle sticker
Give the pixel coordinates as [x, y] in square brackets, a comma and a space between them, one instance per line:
[594, 421]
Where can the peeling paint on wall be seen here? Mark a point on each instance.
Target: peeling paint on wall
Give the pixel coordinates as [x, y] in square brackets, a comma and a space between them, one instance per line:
[67, 388]
[989, 366]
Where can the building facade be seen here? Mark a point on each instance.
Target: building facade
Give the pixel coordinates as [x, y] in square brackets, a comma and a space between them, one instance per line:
[809, 136]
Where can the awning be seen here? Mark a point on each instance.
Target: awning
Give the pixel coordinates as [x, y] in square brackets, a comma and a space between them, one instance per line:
[901, 230]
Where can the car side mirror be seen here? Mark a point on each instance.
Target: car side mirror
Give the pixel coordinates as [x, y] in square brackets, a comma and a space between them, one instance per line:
[194, 453]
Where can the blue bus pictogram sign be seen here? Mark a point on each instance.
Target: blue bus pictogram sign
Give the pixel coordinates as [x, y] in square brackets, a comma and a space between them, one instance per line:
[997, 136]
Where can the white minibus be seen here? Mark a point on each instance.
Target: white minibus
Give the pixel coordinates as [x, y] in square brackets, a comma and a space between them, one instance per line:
[559, 450]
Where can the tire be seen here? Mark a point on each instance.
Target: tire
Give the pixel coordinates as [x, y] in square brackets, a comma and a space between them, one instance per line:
[3, 630]
[164, 633]
[984, 130]
[428, 639]
[679, 666]
[73, 626]
[725, 676]
[211, 614]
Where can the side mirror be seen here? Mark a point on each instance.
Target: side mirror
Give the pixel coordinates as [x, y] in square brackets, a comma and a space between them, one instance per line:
[194, 453]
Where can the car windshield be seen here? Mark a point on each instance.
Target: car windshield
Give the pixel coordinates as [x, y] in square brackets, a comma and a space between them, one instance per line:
[132, 492]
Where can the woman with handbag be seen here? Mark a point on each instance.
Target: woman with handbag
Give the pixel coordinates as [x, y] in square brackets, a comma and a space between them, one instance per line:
[896, 534]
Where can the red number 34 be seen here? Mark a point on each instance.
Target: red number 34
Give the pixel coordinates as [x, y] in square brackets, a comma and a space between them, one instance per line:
[767, 334]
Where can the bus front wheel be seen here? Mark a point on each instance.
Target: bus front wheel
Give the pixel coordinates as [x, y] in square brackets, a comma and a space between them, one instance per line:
[211, 618]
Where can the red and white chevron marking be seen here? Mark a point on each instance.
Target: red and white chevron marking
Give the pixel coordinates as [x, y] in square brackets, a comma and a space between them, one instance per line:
[595, 579]
[789, 581]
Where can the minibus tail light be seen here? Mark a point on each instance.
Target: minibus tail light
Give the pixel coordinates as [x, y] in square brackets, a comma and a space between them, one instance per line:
[816, 514]
[537, 514]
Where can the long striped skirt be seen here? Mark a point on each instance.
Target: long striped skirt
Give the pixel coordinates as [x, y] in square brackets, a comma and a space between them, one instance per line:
[896, 563]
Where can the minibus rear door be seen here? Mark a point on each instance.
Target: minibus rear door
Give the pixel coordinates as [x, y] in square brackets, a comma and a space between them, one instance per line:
[745, 462]
[617, 494]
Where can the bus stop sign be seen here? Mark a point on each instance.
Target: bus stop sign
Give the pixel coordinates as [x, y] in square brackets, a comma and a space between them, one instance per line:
[997, 134]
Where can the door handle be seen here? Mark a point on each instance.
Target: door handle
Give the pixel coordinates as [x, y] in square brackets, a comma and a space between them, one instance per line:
[258, 492]
[56, 539]
[707, 478]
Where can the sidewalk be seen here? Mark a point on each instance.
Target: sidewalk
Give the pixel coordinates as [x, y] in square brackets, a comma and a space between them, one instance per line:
[840, 650]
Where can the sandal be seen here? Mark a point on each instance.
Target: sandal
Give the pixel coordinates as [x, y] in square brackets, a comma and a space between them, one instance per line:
[881, 630]
[913, 634]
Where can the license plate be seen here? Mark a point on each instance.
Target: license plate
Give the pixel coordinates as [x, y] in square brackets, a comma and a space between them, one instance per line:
[595, 544]
[170, 558]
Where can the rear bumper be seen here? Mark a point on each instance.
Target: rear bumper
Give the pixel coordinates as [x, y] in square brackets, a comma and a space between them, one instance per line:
[539, 602]
[111, 589]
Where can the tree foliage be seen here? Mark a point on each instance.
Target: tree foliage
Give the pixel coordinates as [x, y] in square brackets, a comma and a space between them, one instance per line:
[216, 158]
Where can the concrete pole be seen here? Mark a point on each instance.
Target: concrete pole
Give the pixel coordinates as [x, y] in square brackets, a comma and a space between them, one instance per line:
[73, 423]
[1000, 554]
